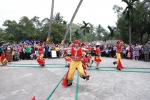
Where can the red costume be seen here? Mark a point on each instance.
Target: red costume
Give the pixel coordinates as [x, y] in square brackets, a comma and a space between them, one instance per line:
[68, 58]
[97, 57]
[40, 59]
[4, 61]
[76, 63]
[89, 56]
[84, 64]
[118, 62]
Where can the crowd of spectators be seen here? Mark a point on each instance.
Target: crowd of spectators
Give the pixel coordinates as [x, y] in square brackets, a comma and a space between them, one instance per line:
[131, 52]
[26, 51]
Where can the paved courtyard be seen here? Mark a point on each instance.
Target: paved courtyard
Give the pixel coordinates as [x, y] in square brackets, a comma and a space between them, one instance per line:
[24, 79]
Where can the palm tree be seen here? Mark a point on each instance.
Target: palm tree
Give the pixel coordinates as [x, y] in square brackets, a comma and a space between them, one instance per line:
[86, 29]
[45, 21]
[99, 30]
[50, 26]
[111, 29]
[71, 21]
[36, 22]
[129, 10]
[105, 36]
[91, 31]
[76, 34]
[58, 18]
[91, 28]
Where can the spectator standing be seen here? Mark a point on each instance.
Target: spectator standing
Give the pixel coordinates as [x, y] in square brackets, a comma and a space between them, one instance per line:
[24, 52]
[46, 47]
[49, 51]
[146, 50]
[131, 50]
[136, 52]
[28, 52]
[20, 50]
[102, 49]
[57, 49]
[114, 50]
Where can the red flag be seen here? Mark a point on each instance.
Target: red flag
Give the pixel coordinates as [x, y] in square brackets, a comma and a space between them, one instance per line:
[33, 98]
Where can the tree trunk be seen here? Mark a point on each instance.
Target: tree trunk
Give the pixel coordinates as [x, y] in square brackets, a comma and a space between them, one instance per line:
[129, 32]
[72, 19]
[148, 37]
[141, 37]
[50, 25]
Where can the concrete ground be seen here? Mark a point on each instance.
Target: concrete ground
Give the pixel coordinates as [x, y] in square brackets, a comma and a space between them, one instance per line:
[24, 79]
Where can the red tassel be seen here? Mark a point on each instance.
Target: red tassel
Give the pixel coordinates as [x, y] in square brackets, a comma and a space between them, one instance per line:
[64, 82]
[119, 65]
[33, 98]
[84, 68]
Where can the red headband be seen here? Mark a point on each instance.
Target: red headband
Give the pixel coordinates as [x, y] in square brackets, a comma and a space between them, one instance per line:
[118, 42]
[76, 42]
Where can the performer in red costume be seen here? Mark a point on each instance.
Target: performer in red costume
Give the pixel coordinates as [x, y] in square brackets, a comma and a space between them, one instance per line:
[89, 55]
[76, 63]
[84, 62]
[97, 58]
[40, 58]
[3, 59]
[118, 61]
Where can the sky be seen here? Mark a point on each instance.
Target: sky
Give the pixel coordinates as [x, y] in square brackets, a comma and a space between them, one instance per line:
[93, 11]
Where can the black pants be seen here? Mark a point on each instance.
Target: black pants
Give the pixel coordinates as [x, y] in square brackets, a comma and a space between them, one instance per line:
[102, 54]
[27, 56]
[146, 56]
[21, 55]
[57, 52]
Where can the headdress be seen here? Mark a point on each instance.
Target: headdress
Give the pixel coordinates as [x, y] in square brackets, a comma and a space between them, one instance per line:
[76, 42]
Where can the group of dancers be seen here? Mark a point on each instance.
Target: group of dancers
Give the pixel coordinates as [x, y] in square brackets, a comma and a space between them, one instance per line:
[78, 57]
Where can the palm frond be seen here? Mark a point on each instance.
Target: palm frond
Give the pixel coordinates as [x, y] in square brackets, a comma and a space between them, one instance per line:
[110, 28]
[85, 24]
[134, 1]
[126, 1]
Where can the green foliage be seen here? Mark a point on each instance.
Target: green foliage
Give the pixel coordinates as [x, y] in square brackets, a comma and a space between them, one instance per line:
[112, 33]
[35, 29]
[31, 29]
[1, 34]
[140, 24]
[99, 32]
[117, 10]
[128, 14]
